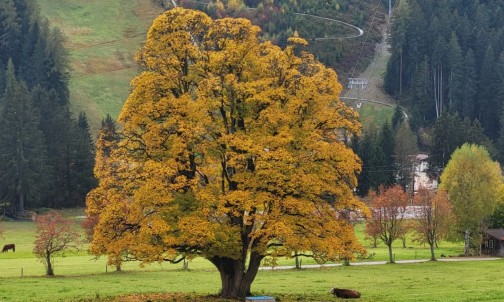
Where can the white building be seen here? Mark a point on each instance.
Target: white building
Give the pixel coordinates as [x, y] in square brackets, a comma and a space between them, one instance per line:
[421, 178]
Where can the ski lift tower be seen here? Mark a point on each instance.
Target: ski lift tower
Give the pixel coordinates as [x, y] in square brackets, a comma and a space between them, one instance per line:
[359, 83]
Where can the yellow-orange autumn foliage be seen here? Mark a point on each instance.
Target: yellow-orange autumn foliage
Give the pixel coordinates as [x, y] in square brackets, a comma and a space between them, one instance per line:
[230, 146]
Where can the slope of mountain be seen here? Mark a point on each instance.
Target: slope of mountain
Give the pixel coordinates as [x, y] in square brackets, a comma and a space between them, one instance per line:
[103, 36]
[102, 39]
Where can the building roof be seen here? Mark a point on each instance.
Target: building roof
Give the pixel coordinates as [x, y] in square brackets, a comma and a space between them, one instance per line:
[496, 233]
[421, 157]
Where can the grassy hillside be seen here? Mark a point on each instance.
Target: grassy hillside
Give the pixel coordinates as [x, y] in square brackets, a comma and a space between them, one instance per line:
[102, 38]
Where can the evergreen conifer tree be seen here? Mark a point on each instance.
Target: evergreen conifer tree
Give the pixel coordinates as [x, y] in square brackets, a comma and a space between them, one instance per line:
[22, 149]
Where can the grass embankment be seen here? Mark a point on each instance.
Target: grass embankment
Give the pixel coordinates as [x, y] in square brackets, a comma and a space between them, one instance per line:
[102, 38]
[80, 277]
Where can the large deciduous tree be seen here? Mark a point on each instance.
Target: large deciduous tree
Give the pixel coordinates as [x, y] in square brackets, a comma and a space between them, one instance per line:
[433, 217]
[388, 216]
[473, 183]
[233, 149]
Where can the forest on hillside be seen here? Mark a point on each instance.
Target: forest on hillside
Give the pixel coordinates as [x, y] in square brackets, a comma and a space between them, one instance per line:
[333, 43]
[448, 59]
[447, 70]
[46, 154]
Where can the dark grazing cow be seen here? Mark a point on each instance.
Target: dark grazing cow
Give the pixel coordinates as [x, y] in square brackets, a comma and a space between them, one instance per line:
[8, 247]
[345, 293]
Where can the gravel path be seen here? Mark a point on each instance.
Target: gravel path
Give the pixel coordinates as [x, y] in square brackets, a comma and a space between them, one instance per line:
[311, 266]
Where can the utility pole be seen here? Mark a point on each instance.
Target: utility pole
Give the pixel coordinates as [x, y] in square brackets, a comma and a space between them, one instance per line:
[389, 8]
[360, 83]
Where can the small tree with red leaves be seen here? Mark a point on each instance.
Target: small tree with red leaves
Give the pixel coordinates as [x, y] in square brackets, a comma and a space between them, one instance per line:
[434, 217]
[388, 209]
[372, 232]
[54, 236]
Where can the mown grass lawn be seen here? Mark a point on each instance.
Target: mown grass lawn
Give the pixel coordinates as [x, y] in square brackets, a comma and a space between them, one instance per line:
[439, 281]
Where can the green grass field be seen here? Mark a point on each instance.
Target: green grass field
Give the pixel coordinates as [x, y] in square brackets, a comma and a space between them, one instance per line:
[440, 281]
[80, 276]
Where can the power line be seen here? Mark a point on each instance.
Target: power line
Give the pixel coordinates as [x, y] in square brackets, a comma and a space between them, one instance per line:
[365, 39]
[376, 54]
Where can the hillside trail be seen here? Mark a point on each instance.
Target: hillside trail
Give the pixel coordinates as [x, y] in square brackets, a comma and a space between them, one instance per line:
[375, 74]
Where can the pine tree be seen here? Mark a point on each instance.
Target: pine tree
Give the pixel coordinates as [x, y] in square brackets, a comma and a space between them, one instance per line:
[405, 148]
[488, 107]
[421, 94]
[22, 149]
[438, 60]
[82, 162]
[456, 77]
[10, 31]
[387, 146]
[469, 89]
[399, 29]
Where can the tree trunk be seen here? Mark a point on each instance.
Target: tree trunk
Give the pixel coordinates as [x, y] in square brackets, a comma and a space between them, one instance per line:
[467, 242]
[236, 280]
[49, 268]
[433, 256]
[297, 261]
[21, 202]
[400, 74]
[391, 257]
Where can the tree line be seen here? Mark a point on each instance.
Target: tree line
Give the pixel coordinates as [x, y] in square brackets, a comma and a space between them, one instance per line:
[468, 201]
[387, 153]
[46, 153]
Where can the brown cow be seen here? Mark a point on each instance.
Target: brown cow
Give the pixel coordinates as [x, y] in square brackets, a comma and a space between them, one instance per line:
[345, 293]
[8, 247]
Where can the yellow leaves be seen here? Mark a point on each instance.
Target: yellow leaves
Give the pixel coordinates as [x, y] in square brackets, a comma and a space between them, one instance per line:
[174, 34]
[227, 138]
[297, 41]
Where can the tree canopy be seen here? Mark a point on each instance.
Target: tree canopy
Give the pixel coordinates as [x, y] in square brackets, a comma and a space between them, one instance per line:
[54, 236]
[474, 184]
[388, 216]
[433, 217]
[231, 149]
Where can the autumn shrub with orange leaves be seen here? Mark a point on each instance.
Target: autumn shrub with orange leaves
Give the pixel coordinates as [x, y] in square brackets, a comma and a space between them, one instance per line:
[232, 149]
[55, 236]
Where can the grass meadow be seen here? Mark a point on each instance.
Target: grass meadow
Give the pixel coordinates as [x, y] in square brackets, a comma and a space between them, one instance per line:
[102, 39]
[81, 277]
